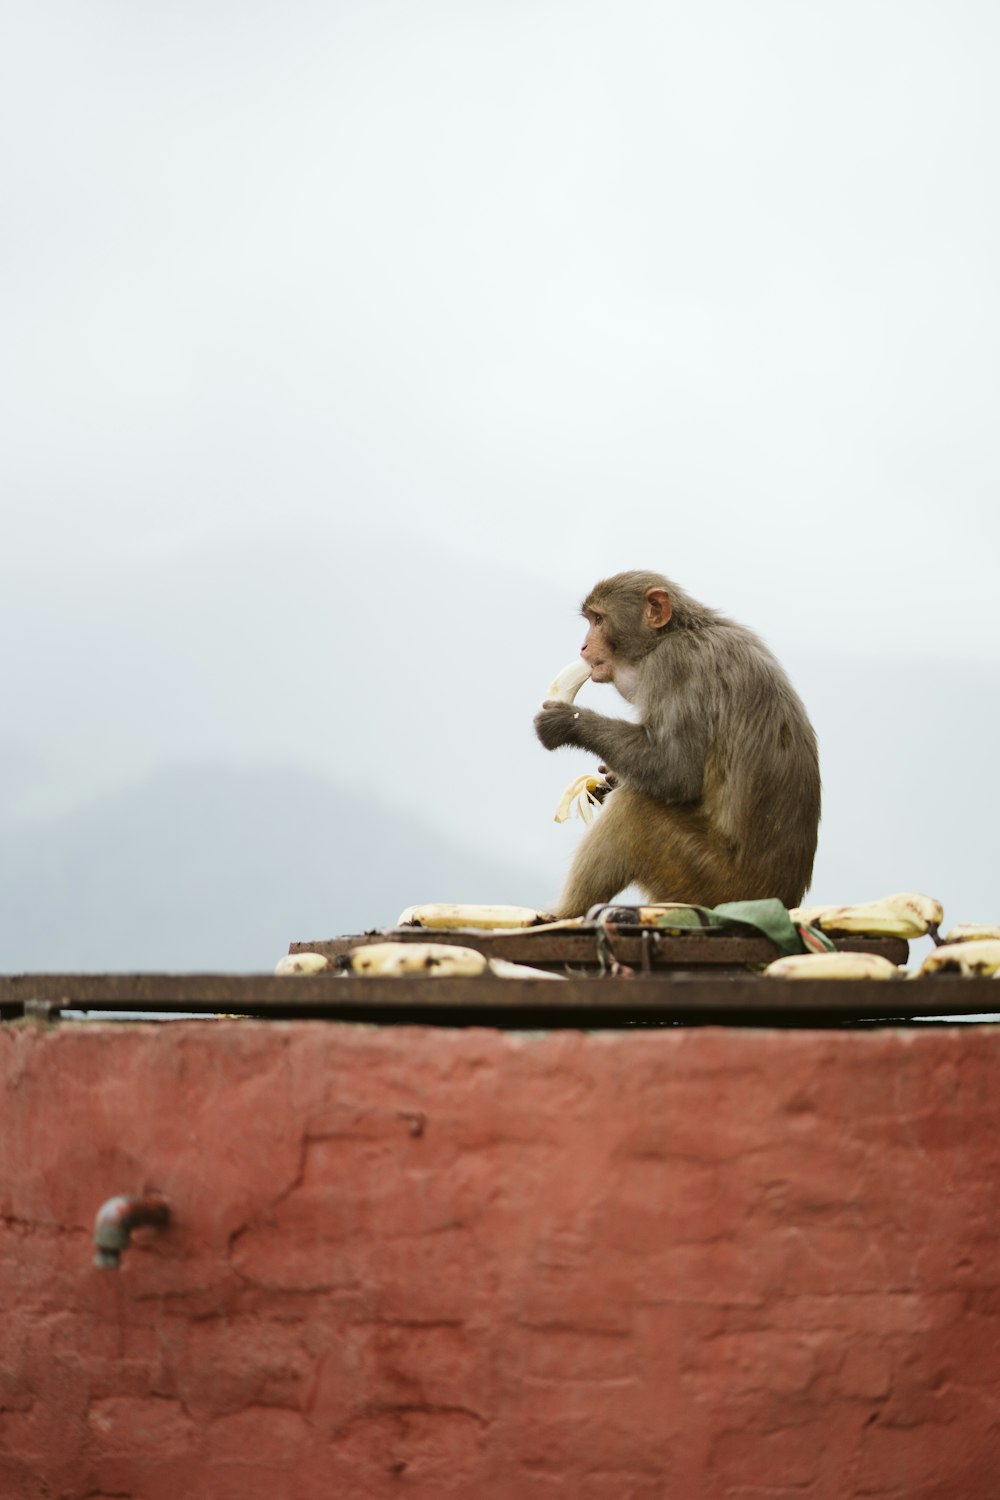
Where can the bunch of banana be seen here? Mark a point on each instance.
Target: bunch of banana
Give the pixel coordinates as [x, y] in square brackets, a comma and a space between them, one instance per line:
[302, 963]
[906, 914]
[450, 914]
[976, 957]
[565, 687]
[971, 932]
[832, 966]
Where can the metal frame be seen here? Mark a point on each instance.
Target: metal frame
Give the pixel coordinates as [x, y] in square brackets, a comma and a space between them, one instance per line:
[583, 1002]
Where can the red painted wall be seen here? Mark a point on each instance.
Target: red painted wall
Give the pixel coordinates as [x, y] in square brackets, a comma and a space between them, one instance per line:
[710, 1265]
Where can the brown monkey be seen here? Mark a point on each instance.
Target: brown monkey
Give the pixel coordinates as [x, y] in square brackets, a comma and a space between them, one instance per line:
[717, 788]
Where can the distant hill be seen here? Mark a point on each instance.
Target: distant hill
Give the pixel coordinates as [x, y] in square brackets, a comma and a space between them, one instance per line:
[209, 867]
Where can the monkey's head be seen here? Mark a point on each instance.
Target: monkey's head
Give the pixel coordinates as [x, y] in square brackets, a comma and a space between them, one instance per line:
[626, 616]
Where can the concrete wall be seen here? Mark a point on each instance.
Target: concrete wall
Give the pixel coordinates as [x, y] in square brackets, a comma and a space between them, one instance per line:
[702, 1264]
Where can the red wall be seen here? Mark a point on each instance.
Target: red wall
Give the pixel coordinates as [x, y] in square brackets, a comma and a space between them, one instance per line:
[702, 1264]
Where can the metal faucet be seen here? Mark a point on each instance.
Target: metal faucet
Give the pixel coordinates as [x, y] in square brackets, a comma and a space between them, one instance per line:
[118, 1217]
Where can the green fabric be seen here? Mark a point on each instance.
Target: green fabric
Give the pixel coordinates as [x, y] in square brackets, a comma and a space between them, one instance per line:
[769, 917]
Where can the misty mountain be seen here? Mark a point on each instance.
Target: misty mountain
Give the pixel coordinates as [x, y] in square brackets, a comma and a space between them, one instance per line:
[212, 867]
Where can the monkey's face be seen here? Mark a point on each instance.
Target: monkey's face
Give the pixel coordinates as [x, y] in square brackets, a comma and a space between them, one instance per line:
[597, 649]
[625, 616]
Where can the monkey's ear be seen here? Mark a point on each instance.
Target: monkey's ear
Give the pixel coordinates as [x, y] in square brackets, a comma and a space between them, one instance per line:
[656, 609]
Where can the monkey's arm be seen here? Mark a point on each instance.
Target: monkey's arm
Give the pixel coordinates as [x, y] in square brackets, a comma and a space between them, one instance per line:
[669, 765]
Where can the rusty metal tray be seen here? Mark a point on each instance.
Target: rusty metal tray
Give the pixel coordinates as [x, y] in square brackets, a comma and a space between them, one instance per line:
[590, 948]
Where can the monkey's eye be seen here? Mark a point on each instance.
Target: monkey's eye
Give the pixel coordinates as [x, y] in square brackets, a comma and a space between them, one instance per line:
[597, 619]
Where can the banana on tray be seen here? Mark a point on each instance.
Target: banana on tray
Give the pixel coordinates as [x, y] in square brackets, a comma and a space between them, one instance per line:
[394, 960]
[907, 914]
[832, 966]
[970, 932]
[449, 915]
[975, 958]
[434, 960]
[302, 963]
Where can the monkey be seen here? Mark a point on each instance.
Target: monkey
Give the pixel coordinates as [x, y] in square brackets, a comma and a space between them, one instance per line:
[716, 790]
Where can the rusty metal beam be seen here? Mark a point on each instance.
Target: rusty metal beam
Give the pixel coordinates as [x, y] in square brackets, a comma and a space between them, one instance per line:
[586, 1001]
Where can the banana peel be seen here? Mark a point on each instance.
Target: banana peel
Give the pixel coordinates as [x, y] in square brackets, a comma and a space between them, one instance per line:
[504, 968]
[579, 798]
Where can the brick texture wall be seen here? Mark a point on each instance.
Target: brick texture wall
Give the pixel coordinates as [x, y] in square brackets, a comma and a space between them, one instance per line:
[405, 1262]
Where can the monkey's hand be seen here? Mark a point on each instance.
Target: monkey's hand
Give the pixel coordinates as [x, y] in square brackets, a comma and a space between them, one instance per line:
[601, 790]
[558, 724]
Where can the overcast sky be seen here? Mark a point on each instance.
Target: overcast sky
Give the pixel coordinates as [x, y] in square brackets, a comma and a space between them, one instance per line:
[345, 345]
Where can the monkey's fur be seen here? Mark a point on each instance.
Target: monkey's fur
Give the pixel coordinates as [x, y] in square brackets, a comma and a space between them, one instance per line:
[717, 794]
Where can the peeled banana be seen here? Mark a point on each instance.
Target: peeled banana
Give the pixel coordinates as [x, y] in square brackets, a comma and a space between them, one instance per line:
[832, 966]
[302, 963]
[969, 932]
[447, 914]
[907, 914]
[577, 798]
[977, 957]
[565, 687]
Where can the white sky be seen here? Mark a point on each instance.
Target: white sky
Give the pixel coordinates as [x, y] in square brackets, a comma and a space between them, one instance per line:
[538, 291]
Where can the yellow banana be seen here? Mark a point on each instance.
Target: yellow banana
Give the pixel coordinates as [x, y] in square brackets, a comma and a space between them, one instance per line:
[565, 687]
[448, 915]
[434, 960]
[302, 963]
[977, 957]
[970, 932]
[907, 914]
[832, 966]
